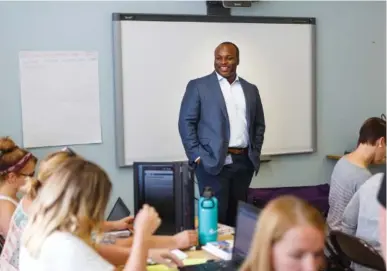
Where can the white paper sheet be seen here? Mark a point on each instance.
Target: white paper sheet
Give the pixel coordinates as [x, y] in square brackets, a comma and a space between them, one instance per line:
[59, 98]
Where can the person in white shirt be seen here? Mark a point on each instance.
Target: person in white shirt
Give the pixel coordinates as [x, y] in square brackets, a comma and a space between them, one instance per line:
[70, 207]
[222, 127]
[116, 254]
[361, 216]
[382, 215]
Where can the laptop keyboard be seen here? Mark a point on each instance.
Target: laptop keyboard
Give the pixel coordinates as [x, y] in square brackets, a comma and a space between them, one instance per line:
[210, 266]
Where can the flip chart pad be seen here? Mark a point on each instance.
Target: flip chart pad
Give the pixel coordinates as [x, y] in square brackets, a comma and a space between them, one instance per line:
[59, 98]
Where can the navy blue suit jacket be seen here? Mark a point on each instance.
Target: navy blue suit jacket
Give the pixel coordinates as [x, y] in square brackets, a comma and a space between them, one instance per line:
[204, 125]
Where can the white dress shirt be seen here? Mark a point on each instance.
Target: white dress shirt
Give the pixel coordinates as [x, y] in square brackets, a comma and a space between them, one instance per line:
[234, 98]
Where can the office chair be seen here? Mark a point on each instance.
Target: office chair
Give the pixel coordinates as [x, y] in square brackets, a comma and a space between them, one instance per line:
[333, 260]
[356, 250]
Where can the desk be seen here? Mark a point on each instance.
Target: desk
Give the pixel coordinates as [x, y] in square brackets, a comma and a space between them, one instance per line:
[193, 257]
[204, 254]
[192, 254]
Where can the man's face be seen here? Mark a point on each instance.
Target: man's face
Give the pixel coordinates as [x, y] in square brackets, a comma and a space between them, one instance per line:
[226, 61]
[380, 151]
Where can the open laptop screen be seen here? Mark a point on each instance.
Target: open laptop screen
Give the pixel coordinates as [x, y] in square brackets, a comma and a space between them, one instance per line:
[119, 211]
[247, 217]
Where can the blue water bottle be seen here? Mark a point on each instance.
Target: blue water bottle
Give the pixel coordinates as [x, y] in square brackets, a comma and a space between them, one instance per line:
[208, 217]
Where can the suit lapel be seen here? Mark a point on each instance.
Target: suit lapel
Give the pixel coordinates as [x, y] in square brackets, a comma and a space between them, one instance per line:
[214, 85]
[249, 100]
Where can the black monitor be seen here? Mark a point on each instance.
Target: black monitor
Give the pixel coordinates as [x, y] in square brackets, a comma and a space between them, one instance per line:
[169, 188]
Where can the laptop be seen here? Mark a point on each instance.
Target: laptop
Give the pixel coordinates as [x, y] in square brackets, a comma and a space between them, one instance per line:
[119, 211]
[247, 217]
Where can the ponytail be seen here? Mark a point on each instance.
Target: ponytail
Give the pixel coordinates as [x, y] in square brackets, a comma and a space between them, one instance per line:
[46, 168]
[32, 187]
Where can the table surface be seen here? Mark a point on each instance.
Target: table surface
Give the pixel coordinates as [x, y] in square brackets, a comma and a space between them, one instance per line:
[200, 254]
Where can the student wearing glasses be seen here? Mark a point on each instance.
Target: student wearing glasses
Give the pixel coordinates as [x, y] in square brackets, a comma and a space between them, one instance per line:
[16, 165]
[9, 258]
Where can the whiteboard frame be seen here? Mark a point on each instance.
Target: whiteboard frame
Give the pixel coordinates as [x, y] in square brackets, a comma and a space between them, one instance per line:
[118, 76]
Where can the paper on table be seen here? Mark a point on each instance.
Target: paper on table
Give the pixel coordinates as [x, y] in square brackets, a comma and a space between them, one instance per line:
[160, 267]
[59, 98]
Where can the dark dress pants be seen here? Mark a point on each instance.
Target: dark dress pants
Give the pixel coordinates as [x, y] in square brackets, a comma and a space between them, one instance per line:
[229, 186]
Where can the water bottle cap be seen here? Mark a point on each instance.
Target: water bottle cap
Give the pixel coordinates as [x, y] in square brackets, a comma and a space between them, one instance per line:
[208, 192]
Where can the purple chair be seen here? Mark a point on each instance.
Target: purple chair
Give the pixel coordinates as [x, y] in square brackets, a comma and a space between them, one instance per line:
[315, 195]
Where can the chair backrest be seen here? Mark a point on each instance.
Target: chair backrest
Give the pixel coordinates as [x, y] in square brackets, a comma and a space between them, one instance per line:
[333, 260]
[356, 250]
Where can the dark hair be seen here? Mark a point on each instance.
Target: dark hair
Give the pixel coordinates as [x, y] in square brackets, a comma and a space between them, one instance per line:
[371, 130]
[232, 44]
[11, 155]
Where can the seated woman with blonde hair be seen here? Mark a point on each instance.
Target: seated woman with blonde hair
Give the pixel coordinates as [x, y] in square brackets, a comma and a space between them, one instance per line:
[289, 236]
[69, 208]
[113, 253]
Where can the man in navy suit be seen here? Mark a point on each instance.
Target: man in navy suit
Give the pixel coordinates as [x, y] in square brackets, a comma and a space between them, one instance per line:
[222, 126]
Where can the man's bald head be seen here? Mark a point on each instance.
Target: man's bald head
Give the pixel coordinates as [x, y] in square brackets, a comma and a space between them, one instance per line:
[229, 43]
[226, 60]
